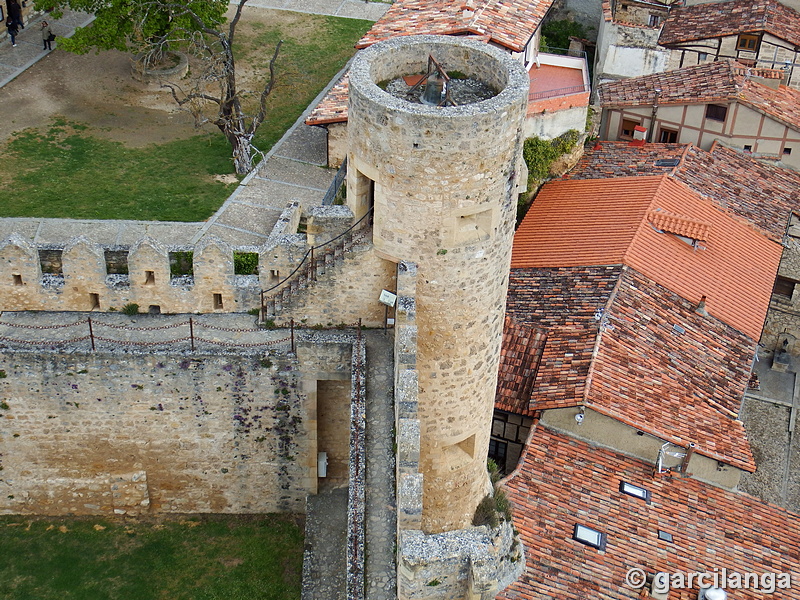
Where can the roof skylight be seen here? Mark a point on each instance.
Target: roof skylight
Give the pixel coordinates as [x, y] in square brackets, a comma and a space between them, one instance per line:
[590, 537]
[635, 491]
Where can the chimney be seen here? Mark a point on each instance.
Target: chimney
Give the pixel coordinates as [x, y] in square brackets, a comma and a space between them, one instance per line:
[701, 307]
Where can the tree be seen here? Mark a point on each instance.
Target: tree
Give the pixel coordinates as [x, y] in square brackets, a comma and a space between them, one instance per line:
[127, 25]
[215, 84]
[152, 28]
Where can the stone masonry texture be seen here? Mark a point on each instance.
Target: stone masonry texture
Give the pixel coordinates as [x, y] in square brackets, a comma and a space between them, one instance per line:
[131, 434]
[442, 183]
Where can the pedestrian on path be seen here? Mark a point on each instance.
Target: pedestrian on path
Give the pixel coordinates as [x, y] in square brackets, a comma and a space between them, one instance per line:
[13, 30]
[15, 13]
[47, 36]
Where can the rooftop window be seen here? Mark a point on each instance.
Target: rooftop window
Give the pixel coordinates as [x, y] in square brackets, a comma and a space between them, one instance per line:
[590, 537]
[635, 491]
[664, 536]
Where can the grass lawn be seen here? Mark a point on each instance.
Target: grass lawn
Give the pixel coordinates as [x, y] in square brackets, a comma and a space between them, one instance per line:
[204, 558]
[64, 169]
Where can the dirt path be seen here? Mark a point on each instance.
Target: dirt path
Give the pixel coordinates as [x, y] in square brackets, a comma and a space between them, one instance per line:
[96, 89]
[99, 89]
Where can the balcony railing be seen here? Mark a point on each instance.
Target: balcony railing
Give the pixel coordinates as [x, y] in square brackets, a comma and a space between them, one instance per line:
[565, 91]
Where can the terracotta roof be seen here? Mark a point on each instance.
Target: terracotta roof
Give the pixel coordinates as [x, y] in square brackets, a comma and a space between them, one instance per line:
[509, 23]
[562, 303]
[762, 194]
[519, 360]
[604, 222]
[612, 345]
[562, 482]
[681, 384]
[333, 106]
[717, 19]
[717, 82]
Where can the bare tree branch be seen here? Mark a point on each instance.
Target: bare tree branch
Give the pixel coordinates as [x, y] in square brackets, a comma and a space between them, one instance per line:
[262, 104]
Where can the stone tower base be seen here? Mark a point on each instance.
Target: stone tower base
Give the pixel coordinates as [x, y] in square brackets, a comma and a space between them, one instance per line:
[466, 564]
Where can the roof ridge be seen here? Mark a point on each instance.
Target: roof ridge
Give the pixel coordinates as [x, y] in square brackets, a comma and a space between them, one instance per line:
[584, 401]
[644, 222]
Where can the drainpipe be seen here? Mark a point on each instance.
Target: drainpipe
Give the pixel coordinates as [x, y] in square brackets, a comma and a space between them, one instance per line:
[653, 116]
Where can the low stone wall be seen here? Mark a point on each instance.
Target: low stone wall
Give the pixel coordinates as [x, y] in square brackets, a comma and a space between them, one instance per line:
[356, 498]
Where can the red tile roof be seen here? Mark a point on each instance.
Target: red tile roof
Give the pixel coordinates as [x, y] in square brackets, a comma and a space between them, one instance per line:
[717, 82]
[519, 361]
[562, 303]
[563, 481]
[717, 19]
[614, 348]
[681, 385]
[605, 222]
[508, 23]
[333, 107]
[762, 194]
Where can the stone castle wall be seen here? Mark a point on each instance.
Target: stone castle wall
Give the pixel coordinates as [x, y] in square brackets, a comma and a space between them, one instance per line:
[133, 433]
[82, 275]
[443, 185]
[345, 293]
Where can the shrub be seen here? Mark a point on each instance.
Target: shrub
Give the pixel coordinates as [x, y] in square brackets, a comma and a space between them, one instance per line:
[245, 263]
[131, 308]
[486, 514]
[556, 34]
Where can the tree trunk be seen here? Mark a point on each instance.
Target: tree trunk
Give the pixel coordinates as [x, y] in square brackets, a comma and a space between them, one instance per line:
[241, 151]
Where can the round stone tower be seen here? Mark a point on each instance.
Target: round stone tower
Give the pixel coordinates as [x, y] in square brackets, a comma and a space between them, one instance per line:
[443, 184]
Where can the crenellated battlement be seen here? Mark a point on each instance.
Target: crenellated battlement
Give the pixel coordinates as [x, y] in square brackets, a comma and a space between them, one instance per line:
[210, 276]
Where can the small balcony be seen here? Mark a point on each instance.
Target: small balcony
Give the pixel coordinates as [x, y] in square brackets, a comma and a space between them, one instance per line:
[558, 81]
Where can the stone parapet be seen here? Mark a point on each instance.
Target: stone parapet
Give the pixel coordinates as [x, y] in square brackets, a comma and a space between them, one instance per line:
[474, 564]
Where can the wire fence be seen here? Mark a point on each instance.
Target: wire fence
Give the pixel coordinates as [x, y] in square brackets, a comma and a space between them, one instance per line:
[187, 331]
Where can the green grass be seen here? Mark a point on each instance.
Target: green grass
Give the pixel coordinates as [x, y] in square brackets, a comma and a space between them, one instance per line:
[66, 172]
[306, 60]
[63, 170]
[214, 558]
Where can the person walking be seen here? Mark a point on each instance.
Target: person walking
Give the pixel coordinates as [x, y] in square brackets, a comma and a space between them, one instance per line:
[47, 36]
[15, 13]
[13, 30]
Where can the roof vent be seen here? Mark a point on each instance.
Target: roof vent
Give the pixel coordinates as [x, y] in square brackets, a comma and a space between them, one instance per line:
[680, 225]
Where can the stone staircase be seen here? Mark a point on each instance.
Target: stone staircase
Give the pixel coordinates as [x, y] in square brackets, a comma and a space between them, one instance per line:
[317, 261]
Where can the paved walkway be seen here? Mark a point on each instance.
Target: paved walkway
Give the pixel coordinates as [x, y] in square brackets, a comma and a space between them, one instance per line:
[14, 61]
[770, 418]
[326, 535]
[381, 514]
[293, 170]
